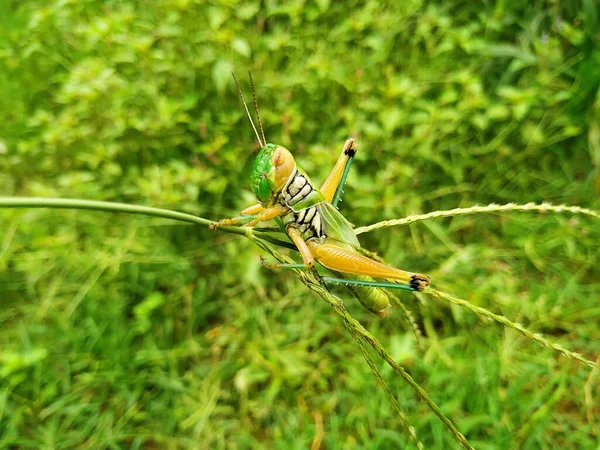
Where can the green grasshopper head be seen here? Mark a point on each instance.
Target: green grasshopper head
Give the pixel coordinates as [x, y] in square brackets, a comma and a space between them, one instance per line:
[273, 166]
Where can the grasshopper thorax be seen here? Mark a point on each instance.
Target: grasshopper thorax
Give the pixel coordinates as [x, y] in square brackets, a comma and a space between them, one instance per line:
[273, 167]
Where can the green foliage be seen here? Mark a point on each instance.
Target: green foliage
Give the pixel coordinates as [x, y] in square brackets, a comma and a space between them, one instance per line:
[125, 331]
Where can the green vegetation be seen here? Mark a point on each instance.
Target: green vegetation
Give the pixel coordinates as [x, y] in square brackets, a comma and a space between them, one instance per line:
[125, 331]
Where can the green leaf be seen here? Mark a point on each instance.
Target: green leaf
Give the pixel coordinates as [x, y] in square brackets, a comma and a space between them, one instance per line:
[323, 5]
[390, 118]
[11, 362]
[217, 16]
[221, 73]
[143, 310]
[590, 16]
[247, 10]
[242, 47]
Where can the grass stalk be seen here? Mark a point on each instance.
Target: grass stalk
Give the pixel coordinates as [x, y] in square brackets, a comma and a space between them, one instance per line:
[491, 208]
[114, 207]
[537, 337]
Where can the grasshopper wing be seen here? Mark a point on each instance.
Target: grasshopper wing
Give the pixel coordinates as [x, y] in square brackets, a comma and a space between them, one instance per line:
[335, 225]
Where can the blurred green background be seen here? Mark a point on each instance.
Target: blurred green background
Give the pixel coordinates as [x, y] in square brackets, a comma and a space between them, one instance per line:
[121, 331]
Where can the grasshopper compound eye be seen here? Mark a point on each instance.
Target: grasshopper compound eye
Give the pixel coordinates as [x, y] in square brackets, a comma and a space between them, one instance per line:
[280, 156]
[284, 166]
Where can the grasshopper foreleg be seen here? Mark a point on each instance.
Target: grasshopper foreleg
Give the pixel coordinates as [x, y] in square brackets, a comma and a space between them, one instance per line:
[250, 219]
[253, 210]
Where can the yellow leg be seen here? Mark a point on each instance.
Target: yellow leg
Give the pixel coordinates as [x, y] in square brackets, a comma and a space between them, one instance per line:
[252, 210]
[345, 260]
[333, 180]
[250, 220]
[267, 214]
[296, 237]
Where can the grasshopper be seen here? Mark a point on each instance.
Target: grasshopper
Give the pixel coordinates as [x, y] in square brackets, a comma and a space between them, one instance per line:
[313, 223]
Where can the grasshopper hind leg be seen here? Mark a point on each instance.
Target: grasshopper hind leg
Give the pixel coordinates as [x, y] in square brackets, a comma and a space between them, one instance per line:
[344, 260]
[333, 186]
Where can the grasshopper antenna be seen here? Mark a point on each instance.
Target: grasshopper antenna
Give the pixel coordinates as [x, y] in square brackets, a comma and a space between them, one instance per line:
[256, 107]
[247, 111]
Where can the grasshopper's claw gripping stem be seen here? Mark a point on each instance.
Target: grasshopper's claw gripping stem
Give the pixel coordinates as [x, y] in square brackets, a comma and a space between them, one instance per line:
[220, 223]
[249, 219]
